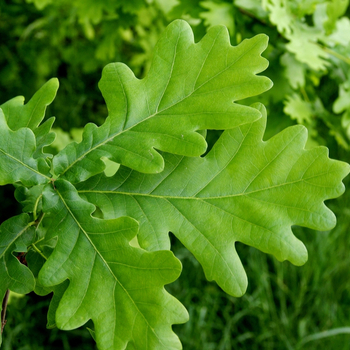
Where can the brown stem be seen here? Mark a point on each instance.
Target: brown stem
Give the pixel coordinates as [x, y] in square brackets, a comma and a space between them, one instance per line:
[3, 311]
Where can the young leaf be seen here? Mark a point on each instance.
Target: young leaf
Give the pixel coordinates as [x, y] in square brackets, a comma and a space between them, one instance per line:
[16, 157]
[16, 234]
[189, 87]
[119, 287]
[245, 190]
[31, 114]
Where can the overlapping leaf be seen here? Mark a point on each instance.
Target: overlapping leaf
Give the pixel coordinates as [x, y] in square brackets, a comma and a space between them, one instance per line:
[16, 234]
[245, 190]
[189, 87]
[16, 157]
[119, 287]
[30, 115]
[19, 115]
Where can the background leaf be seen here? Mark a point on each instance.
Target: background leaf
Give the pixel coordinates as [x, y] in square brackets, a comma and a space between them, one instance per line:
[119, 287]
[189, 87]
[245, 190]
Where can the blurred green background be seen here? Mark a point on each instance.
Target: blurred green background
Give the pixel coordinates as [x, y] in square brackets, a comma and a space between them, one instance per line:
[285, 307]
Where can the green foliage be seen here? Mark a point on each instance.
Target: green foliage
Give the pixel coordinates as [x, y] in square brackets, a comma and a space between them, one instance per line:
[108, 236]
[186, 81]
[193, 195]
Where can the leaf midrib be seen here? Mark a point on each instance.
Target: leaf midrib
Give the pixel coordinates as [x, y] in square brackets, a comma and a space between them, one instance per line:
[109, 139]
[204, 198]
[15, 238]
[107, 265]
[23, 164]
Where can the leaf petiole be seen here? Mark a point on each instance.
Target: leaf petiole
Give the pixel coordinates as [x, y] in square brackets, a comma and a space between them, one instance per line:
[36, 207]
[3, 311]
[38, 250]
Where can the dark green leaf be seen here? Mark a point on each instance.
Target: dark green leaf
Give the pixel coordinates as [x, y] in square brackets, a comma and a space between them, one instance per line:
[16, 157]
[16, 234]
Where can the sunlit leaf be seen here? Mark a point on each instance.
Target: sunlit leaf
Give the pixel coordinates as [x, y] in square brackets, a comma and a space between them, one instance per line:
[245, 190]
[119, 287]
[189, 87]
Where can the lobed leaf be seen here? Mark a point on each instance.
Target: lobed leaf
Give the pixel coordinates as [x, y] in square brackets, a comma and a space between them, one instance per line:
[36, 260]
[30, 115]
[119, 287]
[16, 234]
[245, 190]
[189, 87]
[16, 157]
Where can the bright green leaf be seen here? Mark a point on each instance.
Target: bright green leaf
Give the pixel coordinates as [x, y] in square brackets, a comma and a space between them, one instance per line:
[341, 34]
[189, 87]
[252, 6]
[218, 13]
[30, 198]
[335, 9]
[294, 70]
[303, 43]
[298, 109]
[245, 190]
[16, 157]
[279, 14]
[119, 287]
[342, 103]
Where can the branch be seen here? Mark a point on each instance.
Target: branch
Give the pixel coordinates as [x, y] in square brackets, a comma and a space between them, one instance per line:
[3, 311]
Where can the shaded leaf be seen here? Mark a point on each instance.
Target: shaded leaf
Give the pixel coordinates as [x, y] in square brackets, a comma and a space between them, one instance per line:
[245, 190]
[189, 87]
[119, 287]
[16, 234]
[36, 260]
[30, 198]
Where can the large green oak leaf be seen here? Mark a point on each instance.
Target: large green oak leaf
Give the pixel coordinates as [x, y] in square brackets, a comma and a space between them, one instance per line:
[189, 87]
[119, 287]
[244, 190]
[16, 157]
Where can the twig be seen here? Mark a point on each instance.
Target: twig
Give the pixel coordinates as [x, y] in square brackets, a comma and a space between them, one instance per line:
[3, 311]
